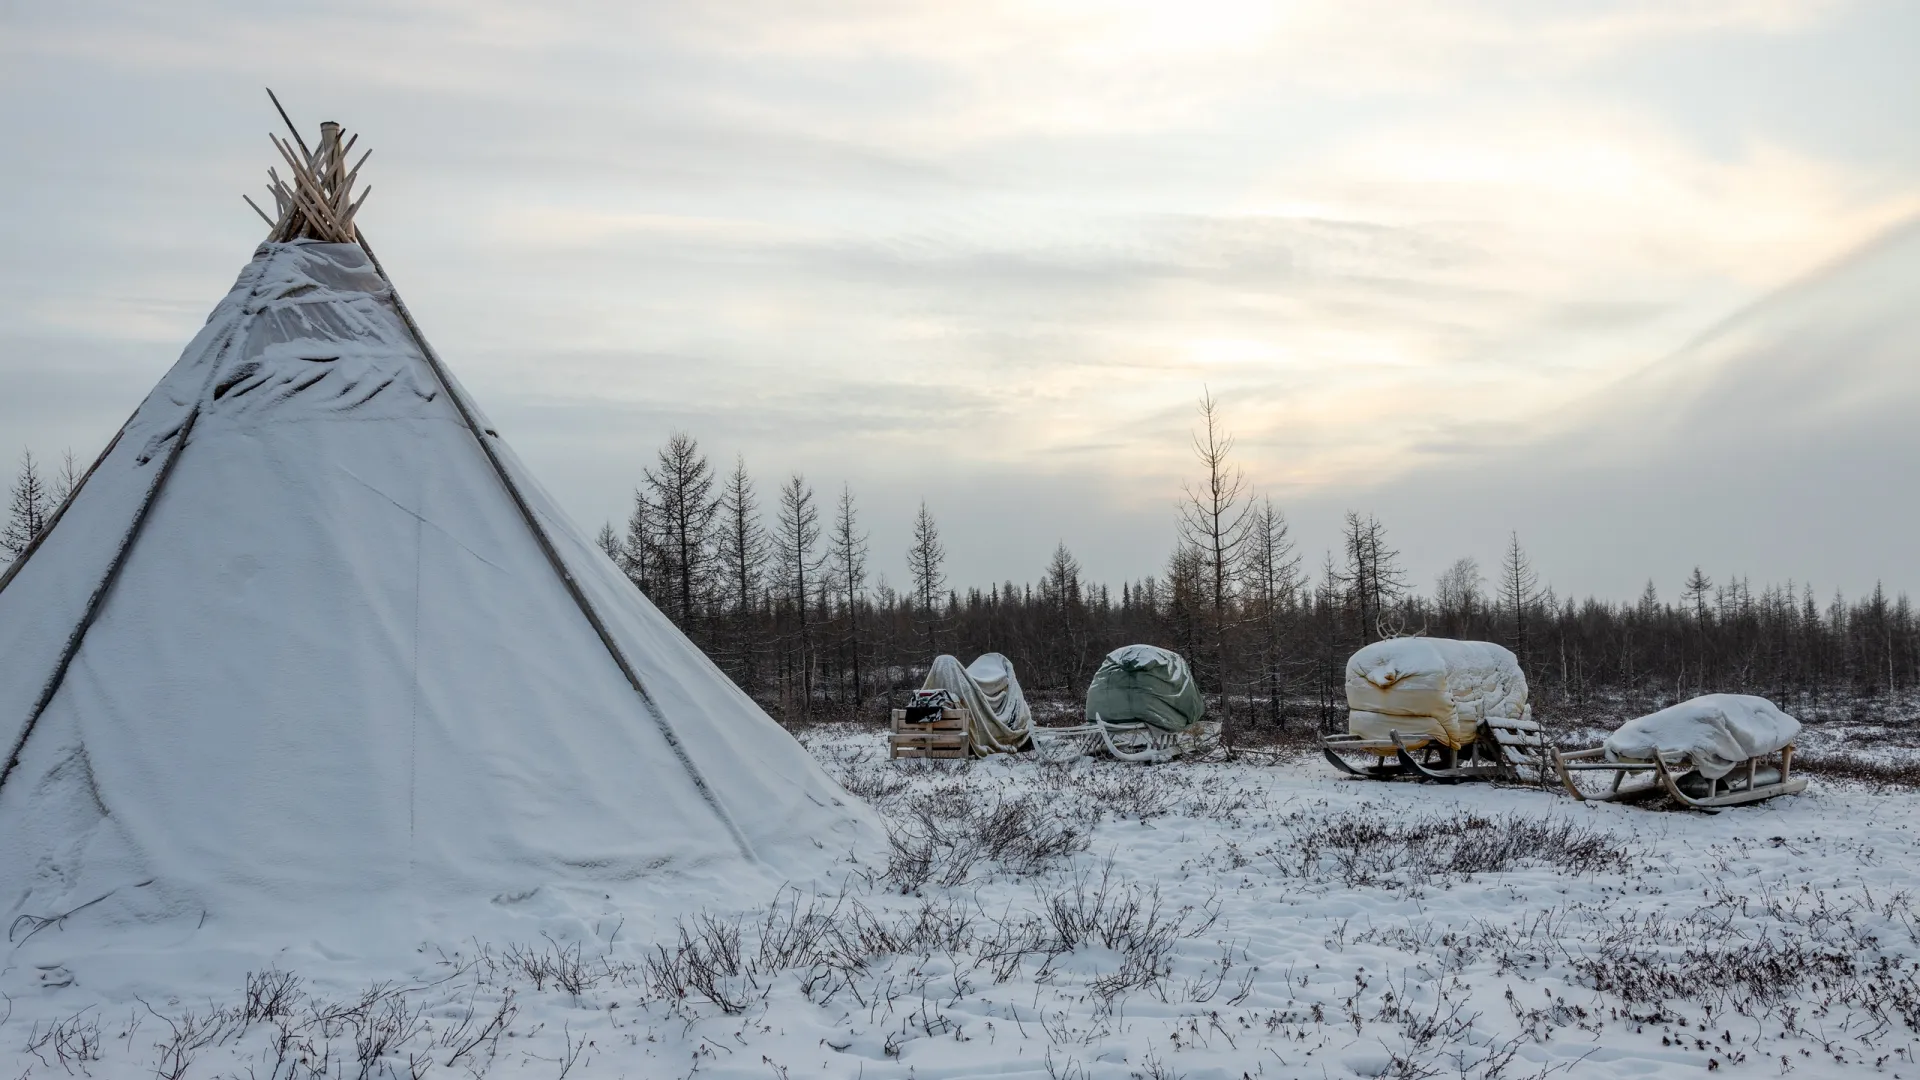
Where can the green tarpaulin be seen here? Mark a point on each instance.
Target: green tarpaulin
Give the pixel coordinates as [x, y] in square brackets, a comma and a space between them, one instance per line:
[1145, 684]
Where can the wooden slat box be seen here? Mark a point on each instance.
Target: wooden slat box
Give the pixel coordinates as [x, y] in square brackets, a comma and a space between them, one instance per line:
[945, 737]
[950, 720]
[956, 752]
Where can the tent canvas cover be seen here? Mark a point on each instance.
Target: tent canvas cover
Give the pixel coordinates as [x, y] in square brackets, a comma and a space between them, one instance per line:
[309, 634]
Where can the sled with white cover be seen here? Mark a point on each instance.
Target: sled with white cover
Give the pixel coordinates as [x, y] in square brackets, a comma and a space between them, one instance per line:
[1715, 750]
[1436, 709]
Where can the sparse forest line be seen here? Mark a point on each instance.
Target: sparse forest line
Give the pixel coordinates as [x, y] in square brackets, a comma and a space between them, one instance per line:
[778, 592]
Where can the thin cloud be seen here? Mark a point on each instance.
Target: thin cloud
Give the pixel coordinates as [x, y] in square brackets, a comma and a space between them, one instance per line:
[1388, 236]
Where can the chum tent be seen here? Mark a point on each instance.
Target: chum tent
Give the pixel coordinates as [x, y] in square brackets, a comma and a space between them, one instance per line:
[309, 633]
[1001, 722]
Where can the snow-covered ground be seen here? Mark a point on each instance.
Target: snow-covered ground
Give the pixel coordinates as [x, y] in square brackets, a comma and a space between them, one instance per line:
[1257, 918]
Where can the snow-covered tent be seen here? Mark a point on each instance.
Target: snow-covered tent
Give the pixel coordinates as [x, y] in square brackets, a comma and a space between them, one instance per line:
[1001, 723]
[309, 634]
[1432, 689]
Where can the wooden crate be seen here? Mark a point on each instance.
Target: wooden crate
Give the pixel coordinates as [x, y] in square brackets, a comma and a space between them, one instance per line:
[928, 738]
[922, 743]
[950, 720]
[945, 752]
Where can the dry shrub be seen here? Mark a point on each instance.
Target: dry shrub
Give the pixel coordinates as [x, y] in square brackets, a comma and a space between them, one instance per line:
[1903, 774]
[1363, 848]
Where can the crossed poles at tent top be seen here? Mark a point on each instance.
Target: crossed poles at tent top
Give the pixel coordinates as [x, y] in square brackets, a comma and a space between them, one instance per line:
[318, 203]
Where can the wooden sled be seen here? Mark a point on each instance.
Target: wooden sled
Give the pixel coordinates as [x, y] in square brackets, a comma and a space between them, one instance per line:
[1124, 741]
[1061, 744]
[1678, 780]
[1501, 750]
[1140, 742]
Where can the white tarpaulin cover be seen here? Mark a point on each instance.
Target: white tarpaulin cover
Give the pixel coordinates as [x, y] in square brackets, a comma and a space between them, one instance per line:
[336, 673]
[1715, 731]
[1002, 722]
[1432, 689]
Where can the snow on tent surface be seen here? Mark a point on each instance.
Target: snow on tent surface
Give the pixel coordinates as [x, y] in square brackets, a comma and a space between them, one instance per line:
[1145, 684]
[1002, 723]
[1715, 731]
[332, 661]
[1432, 689]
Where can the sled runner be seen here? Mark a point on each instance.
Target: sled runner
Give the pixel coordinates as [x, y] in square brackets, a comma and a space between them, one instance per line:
[1124, 741]
[1752, 781]
[1502, 749]
[1374, 759]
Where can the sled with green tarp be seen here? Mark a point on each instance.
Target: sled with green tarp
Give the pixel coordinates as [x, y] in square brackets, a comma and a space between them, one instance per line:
[1142, 705]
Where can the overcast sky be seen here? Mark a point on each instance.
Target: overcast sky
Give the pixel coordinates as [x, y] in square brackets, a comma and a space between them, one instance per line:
[1634, 279]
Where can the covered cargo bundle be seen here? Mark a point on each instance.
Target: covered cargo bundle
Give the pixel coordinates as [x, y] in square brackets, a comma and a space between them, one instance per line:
[1716, 732]
[1713, 751]
[1432, 690]
[1000, 720]
[1144, 684]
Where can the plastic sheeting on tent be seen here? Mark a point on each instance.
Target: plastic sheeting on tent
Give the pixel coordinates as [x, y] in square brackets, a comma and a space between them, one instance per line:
[1715, 731]
[1145, 684]
[1002, 723]
[1432, 688]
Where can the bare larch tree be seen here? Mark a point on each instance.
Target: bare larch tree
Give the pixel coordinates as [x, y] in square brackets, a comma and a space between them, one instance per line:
[847, 550]
[1373, 577]
[742, 540]
[1214, 520]
[65, 479]
[796, 537]
[925, 558]
[740, 543]
[27, 509]
[608, 541]
[1520, 591]
[1270, 587]
[680, 492]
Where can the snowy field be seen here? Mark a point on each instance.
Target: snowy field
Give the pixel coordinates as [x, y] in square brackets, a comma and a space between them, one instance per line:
[1093, 920]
